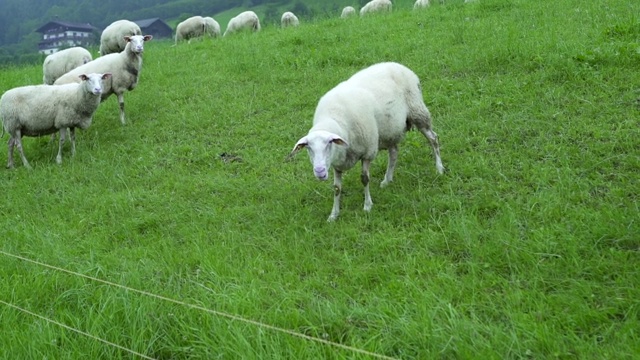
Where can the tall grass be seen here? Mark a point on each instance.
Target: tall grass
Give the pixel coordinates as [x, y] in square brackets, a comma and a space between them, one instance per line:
[527, 247]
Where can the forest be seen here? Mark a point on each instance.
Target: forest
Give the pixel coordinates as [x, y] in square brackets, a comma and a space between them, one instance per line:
[19, 18]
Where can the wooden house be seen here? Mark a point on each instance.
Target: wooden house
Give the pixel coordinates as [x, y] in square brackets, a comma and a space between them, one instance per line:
[156, 27]
[58, 35]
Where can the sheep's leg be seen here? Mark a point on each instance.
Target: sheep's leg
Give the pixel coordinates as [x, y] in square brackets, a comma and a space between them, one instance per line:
[364, 177]
[121, 103]
[53, 138]
[60, 143]
[72, 137]
[337, 190]
[433, 140]
[17, 141]
[391, 166]
[12, 143]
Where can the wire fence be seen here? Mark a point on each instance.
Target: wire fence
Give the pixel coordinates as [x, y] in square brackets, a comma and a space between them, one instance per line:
[174, 301]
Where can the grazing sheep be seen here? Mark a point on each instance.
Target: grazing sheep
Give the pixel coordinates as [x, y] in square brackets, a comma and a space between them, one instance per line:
[370, 111]
[212, 28]
[421, 4]
[63, 61]
[246, 20]
[112, 38]
[193, 27]
[348, 12]
[125, 68]
[374, 6]
[289, 19]
[44, 109]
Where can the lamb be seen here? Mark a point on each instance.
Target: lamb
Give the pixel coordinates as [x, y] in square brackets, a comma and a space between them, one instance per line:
[44, 109]
[63, 61]
[374, 6]
[112, 38]
[125, 68]
[193, 27]
[421, 4]
[370, 111]
[212, 28]
[245, 20]
[289, 19]
[348, 12]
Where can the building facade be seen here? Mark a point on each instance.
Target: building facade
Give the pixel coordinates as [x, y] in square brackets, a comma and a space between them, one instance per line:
[156, 27]
[58, 35]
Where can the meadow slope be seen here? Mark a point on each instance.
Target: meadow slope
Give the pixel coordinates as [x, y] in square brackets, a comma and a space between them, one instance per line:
[527, 247]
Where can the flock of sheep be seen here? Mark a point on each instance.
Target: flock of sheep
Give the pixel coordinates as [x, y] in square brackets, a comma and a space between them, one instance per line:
[370, 111]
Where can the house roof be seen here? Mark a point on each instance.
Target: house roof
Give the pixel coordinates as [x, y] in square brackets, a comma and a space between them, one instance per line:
[148, 22]
[69, 25]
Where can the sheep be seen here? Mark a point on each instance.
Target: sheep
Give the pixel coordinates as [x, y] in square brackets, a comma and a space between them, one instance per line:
[374, 6]
[370, 111]
[421, 4]
[246, 20]
[125, 68]
[63, 61]
[212, 28]
[193, 27]
[289, 19]
[44, 109]
[112, 38]
[348, 12]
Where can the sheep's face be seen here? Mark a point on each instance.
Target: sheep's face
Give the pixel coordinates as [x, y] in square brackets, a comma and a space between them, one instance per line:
[93, 82]
[320, 146]
[136, 42]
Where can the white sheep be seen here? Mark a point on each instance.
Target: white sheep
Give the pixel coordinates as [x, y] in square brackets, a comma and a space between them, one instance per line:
[289, 19]
[421, 4]
[125, 68]
[245, 20]
[370, 111]
[193, 27]
[44, 109]
[112, 38]
[348, 11]
[63, 61]
[212, 28]
[374, 6]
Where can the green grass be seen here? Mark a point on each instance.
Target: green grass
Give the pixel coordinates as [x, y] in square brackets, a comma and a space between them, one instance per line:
[528, 247]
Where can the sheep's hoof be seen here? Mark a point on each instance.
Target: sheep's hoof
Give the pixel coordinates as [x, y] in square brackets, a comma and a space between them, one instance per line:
[384, 183]
[332, 218]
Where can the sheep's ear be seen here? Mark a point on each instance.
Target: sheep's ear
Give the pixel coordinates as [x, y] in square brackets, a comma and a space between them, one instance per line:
[127, 38]
[105, 76]
[339, 141]
[83, 77]
[148, 37]
[299, 146]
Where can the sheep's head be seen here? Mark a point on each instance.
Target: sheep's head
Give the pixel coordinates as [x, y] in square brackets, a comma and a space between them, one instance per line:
[136, 42]
[320, 146]
[93, 82]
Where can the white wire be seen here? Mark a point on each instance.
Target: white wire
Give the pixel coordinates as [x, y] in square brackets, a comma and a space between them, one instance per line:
[214, 312]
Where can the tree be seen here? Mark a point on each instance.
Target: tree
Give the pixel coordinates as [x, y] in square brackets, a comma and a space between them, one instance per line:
[301, 10]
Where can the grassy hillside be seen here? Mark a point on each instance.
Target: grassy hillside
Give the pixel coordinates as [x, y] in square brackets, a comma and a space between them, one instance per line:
[527, 247]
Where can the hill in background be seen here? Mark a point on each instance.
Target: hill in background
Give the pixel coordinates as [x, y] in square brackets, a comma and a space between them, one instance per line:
[19, 19]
